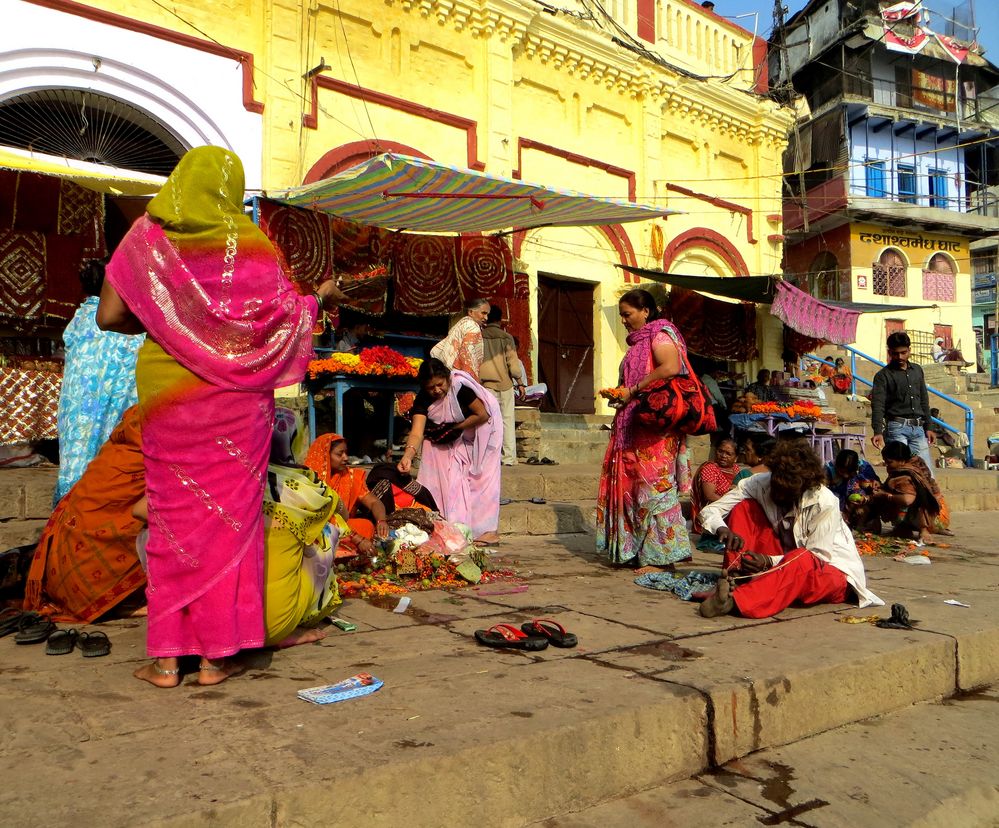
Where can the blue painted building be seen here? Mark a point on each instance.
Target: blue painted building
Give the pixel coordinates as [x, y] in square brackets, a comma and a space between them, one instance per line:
[893, 173]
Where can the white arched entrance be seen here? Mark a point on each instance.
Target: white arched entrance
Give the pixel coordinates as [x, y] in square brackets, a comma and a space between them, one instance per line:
[164, 80]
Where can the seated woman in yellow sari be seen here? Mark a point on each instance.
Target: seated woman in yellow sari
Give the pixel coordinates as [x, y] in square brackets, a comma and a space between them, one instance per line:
[327, 457]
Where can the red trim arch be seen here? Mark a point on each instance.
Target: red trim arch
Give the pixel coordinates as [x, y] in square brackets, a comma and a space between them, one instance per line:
[347, 155]
[614, 233]
[709, 240]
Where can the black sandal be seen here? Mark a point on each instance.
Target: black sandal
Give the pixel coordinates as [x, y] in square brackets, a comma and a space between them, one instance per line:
[34, 630]
[95, 644]
[62, 642]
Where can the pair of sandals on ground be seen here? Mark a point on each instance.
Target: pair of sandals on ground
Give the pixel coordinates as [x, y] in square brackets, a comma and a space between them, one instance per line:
[32, 628]
[541, 461]
[532, 635]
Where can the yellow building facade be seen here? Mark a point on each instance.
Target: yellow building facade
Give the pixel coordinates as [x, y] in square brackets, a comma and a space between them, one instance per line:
[657, 102]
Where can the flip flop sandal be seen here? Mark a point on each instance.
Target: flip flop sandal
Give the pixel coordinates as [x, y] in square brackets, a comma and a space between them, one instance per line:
[547, 461]
[508, 636]
[540, 501]
[10, 618]
[552, 630]
[61, 642]
[94, 645]
[34, 630]
[533, 461]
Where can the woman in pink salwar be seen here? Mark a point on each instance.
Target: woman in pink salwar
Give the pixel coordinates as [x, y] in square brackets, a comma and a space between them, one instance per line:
[459, 426]
[225, 328]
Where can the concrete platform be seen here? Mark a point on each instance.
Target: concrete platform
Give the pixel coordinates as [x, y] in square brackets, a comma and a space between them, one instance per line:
[462, 735]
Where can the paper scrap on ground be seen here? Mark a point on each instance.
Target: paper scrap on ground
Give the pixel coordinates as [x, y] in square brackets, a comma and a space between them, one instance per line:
[955, 603]
[363, 684]
[917, 560]
[403, 604]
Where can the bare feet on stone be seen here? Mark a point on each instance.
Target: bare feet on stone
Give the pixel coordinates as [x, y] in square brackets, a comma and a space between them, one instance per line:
[215, 671]
[720, 601]
[162, 672]
[487, 538]
[301, 635]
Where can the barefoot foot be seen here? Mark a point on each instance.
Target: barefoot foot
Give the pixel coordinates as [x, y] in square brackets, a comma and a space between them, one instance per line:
[301, 635]
[720, 601]
[163, 672]
[487, 538]
[215, 671]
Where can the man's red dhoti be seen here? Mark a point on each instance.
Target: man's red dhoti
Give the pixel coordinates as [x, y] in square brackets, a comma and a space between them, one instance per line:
[800, 578]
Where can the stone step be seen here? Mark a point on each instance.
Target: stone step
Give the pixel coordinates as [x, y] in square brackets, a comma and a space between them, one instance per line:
[20, 532]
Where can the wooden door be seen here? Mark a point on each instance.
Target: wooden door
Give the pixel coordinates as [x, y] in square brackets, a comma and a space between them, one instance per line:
[945, 332]
[565, 345]
[894, 326]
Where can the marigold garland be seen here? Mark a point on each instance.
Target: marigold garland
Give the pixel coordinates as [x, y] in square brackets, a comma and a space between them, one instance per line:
[797, 409]
[378, 361]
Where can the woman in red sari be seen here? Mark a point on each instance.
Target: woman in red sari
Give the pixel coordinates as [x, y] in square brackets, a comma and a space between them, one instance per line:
[713, 480]
[225, 328]
[639, 520]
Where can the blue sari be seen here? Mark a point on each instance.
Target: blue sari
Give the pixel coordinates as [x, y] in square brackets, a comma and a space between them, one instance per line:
[98, 385]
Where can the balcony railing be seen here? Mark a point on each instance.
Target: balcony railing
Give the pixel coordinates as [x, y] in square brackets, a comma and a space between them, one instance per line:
[943, 100]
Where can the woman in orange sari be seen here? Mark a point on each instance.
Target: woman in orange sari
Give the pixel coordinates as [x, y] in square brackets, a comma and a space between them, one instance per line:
[85, 564]
[327, 457]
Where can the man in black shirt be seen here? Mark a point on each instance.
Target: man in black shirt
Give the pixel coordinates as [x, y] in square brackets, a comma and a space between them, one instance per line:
[900, 402]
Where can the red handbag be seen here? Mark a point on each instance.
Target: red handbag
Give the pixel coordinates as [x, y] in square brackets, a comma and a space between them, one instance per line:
[677, 404]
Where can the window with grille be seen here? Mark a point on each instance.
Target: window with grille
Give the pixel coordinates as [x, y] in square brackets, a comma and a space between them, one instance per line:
[938, 287]
[889, 280]
[888, 275]
[939, 284]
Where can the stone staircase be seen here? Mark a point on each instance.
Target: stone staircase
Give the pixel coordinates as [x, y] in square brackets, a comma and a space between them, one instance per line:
[575, 438]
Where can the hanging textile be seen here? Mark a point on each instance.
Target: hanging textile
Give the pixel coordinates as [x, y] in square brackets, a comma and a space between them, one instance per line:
[484, 265]
[712, 328]
[811, 317]
[302, 238]
[426, 283]
[22, 277]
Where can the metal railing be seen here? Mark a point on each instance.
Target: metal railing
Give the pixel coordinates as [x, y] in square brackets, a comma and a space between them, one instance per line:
[969, 415]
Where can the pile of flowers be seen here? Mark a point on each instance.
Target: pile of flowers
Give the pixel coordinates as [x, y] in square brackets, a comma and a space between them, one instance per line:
[802, 410]
[379, 361]
[434, 572]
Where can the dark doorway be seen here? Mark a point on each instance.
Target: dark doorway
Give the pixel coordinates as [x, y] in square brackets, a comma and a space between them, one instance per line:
[565, 345]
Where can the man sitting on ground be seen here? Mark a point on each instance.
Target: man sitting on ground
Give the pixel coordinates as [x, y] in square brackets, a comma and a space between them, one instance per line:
[786, 541]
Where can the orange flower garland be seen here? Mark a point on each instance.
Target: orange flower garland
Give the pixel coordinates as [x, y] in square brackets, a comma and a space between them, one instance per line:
[379, 361]
[798, 409]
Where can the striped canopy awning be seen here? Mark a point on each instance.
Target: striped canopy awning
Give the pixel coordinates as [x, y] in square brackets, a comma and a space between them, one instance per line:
[398, 192]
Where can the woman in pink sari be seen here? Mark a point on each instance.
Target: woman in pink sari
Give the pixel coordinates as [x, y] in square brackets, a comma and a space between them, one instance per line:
[460, 427]
[639, 521]
[225, 328]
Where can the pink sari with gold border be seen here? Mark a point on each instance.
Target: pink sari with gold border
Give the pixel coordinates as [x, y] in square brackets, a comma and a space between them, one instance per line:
[225, 329]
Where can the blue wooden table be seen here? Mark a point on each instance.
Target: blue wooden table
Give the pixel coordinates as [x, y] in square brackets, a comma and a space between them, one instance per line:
[339, 384]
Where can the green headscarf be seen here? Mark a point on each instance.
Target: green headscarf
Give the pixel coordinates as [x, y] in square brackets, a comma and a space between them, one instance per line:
[202, 200]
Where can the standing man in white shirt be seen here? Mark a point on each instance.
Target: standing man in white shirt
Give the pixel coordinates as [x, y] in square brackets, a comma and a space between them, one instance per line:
[786, 541]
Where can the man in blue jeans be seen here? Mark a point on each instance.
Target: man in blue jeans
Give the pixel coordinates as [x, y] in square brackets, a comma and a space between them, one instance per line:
[900, 402]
